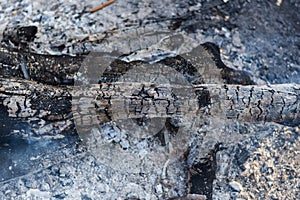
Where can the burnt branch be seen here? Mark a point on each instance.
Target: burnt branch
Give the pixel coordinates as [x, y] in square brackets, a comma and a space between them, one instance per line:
[36, 103]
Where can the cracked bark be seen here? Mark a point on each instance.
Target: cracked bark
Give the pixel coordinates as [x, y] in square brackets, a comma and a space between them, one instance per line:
[48, 69]
[47, 110]
[31, 101]
[60, 70]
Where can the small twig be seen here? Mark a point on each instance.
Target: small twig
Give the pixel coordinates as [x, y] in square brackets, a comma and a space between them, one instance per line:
[102, 6]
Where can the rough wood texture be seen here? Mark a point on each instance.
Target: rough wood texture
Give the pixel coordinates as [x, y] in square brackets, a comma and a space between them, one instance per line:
[120, 100]
[49, 69]
[212, 90]
[274, 103]
[205, 66]
[44, 109]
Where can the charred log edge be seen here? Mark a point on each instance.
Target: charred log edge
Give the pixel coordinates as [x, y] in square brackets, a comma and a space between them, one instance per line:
[181, 65]
[8, 50]
[238, 100]
[11, 93]
[231, 76]
[203, 172]
[55, 69]
[47, 69]
[201, 91]
[244, 103]
[19, 35]
[118, 68]
[55, 100]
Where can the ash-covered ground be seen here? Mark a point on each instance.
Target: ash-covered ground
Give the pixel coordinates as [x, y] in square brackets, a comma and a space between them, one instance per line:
[262, 161]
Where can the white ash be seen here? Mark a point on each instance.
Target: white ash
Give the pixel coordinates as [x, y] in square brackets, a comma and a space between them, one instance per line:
[83, 176]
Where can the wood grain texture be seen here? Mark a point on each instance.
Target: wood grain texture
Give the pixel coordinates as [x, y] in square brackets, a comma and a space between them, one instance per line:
[32, 101]
[48, 69]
